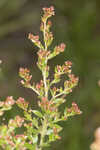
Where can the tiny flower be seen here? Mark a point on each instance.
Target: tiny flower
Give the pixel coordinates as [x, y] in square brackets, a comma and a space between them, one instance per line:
[44, 99]
[68, 64]
[75, 108]
[73, 79]
[22, 103]
[48, 12]
[19, 121]
[60, 48]
[43, 54]
[9, 101]
[22, 136]
[35, 40]
[59, 68]
[25, 73]
[49, 24]
[39, 85]
[66, 69]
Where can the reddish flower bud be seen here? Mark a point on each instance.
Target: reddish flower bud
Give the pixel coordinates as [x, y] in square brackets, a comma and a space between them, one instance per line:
[35, 40]
[75, 108]
[22, 103]
[43, 54]
[68, 64]
[60, 48]
[9, 101]
[49, 11]
[25, 73]
[19, 121]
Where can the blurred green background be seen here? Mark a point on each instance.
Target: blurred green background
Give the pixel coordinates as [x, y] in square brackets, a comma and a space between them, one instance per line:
[77, 23]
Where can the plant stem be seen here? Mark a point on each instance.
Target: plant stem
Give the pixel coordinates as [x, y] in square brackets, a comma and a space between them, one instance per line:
[31, 87]
[57, 95]
[45, 35]
[44, 71]
[45, 82]
[44, 124]
[43, 133]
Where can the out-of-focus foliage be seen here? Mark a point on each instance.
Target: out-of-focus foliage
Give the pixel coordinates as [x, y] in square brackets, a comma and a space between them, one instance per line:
[76, 23]
[14, 15]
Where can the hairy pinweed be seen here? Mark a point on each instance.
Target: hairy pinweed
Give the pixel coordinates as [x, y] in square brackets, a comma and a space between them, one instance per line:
[41, 127]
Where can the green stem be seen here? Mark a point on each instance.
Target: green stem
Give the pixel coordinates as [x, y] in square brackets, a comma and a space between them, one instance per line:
[31, 87]
[54, 97]
[44, 71]
[43, 133]
[45, 35]
[44, 124]
[45, 82]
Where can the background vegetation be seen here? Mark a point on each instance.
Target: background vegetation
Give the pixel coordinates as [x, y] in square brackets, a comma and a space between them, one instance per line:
[77, 23]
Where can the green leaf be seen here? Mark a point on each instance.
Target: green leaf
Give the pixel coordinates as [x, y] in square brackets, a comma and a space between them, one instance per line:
[37, 113]
[34, 131]
[30, 146]
[59, 101]
[35, 122]
[59, 128]
[27, 115]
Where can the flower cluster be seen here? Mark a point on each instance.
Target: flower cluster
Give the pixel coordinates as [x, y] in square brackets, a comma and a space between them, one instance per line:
[25, 74]
[73, 110]
[17, 122]
[40, 126]
[9, 138]
[22, 103]
[47, 105]
[43, 54]
[6, 105]
[48, 12]
[35, 39]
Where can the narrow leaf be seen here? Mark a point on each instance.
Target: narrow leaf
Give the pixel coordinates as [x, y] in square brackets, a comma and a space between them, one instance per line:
[37, 113]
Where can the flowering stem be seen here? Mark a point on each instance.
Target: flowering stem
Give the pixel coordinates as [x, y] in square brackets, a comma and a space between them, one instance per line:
[43, 133]
[45, 35]
[44, 80]
[45, 84]
[44, 71]
[31, 87]
[58, 95]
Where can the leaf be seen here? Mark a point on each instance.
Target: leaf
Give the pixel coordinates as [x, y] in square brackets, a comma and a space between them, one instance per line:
[37, 113]
[27, 115]
[30, 146]
[34, 131]
[35, 122]
[59, 101]
[58, 127]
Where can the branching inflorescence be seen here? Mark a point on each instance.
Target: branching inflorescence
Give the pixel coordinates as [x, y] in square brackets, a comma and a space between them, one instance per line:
[40, 126]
